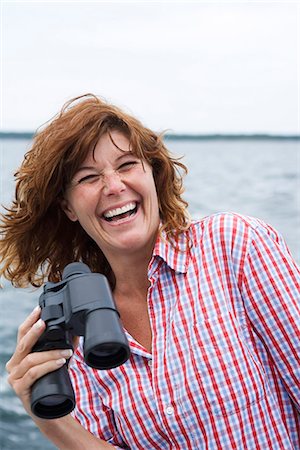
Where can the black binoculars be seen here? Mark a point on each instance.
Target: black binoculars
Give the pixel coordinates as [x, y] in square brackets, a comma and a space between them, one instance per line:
[79, 305]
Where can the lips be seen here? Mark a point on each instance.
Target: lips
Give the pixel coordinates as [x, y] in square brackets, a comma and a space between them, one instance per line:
[121, 212]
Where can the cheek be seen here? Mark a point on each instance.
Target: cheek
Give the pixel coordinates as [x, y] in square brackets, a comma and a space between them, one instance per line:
[152, 193]
[147, 177]
[84, 197]
[78, 206]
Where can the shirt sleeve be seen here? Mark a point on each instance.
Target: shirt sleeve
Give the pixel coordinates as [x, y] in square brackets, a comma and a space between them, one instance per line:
[89, 410]
[270, 289]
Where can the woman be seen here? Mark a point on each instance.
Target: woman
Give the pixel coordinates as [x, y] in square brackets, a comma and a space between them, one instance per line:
[210, 308]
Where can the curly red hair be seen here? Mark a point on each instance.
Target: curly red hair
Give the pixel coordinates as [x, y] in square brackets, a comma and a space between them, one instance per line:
[38, 240]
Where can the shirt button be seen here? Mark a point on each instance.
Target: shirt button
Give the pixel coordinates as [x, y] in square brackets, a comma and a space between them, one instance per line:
[150, 362]
[169, 410]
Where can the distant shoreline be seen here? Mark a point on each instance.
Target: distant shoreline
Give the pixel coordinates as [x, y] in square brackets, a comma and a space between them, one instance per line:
[183, 137]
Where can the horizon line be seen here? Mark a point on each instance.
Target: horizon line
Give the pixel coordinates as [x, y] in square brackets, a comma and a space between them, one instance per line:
[178, 136]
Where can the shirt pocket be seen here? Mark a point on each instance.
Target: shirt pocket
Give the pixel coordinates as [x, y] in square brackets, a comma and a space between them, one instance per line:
[228, 378]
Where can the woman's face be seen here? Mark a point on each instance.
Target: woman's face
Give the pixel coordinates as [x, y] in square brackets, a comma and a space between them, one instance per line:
[113, 196]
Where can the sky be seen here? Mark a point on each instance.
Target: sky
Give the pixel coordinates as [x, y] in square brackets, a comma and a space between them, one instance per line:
[187, 66]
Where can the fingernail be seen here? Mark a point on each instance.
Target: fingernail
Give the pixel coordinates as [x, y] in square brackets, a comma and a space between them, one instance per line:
[61, 361]
[67, 353]
[39, 324]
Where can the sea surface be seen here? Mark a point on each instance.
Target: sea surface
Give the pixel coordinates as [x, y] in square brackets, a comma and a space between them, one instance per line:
[258, 177]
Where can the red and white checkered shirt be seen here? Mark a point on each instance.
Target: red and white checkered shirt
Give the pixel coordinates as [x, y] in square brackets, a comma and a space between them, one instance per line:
[224, 372]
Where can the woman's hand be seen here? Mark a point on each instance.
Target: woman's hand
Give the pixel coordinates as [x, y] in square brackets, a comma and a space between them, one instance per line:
[24, 367]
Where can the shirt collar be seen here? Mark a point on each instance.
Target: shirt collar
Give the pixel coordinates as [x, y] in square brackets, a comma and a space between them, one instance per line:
[174, 251]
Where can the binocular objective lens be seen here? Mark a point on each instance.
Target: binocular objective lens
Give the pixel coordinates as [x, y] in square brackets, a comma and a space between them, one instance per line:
[54, 407]
[54, 400]
[106, 356]
[105, 350]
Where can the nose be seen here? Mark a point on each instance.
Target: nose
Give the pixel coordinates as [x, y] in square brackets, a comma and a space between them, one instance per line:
[112, 183]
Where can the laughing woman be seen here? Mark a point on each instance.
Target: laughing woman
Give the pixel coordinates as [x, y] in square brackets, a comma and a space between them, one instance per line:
[210, 307]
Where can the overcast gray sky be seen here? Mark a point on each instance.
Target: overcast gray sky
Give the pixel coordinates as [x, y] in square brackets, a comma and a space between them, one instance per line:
[192, 67]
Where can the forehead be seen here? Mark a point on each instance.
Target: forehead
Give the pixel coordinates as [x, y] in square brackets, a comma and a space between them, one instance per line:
[114, 140]
[110, 146]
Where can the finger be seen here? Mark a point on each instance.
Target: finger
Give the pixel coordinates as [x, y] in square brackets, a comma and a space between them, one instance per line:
[37, 359]
[23, 384]
[26, 343]
[28, 322]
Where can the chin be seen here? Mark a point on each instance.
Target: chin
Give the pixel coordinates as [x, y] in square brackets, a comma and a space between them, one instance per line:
[135, 242]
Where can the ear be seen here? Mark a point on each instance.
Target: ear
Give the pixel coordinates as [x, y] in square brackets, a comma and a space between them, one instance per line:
[66, 207]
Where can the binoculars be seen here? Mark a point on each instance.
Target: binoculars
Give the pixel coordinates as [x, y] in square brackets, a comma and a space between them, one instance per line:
[79, 305]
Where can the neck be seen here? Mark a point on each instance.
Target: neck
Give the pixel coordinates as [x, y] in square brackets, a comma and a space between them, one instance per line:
[131, 271]
[131, 276]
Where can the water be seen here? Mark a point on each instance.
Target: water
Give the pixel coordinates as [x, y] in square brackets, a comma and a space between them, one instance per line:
[258, 178]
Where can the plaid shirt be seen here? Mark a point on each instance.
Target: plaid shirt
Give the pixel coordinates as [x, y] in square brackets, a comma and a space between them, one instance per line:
[224, 372]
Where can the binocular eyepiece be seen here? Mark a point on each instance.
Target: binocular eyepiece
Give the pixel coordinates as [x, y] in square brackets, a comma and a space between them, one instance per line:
[79, 305]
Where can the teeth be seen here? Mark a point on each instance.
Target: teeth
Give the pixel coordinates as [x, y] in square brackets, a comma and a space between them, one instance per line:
[115, 212]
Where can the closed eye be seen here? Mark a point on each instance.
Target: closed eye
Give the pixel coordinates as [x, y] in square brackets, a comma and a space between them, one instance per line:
[127, 165]
[90, 177]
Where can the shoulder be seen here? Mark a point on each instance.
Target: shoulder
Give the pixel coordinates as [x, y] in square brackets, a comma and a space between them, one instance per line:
[231, 222]
[230, 231]
[224, 223]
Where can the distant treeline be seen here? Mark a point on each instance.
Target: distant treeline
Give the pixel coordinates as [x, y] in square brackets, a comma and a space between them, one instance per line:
[222, 137]
[16, 135]
[181, 137]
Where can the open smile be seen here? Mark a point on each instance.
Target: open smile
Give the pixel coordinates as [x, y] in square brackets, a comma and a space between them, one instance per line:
[124, 212]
